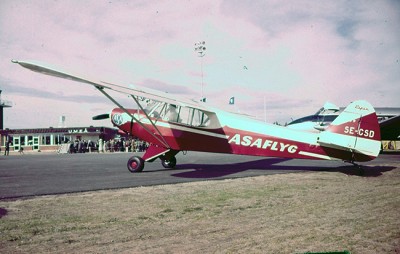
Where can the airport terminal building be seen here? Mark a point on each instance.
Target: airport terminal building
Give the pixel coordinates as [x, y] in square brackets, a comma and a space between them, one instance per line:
[50, 139]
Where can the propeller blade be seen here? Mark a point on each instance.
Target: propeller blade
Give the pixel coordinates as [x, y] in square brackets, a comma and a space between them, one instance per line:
[101, 117]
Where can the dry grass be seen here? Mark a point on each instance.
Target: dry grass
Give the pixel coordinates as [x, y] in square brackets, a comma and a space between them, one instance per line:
[291, 213]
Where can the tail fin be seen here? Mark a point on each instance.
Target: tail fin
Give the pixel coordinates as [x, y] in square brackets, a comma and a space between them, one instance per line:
[355, 130]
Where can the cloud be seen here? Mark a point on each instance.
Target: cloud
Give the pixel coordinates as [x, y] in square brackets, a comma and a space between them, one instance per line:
[333, 45]
[41, 93]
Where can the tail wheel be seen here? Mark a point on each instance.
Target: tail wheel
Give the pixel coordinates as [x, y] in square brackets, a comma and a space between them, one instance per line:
[171, 163]
[135, 164]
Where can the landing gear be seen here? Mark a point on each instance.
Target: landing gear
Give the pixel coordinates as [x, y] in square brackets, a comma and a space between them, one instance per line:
[170, 163]
[359, 168]
[135, 164]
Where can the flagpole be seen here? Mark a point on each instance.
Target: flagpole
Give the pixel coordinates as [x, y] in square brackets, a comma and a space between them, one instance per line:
[200, 49]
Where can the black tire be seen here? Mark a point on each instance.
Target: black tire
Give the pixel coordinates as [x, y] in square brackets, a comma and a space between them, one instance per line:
[135, 164]
[171, 163]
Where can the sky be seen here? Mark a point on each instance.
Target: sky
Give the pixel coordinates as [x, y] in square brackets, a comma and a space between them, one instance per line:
[280, 59]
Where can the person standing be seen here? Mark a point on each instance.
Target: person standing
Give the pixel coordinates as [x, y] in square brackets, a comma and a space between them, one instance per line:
[100, 150]
[7, 151]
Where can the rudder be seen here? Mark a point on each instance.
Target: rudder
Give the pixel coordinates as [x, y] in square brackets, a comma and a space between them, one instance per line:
[356, 130]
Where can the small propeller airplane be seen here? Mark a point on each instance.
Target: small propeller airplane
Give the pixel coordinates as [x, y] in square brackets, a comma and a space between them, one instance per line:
[172, 124]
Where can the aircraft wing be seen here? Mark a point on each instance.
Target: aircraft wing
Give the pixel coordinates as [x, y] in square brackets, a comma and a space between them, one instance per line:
[134, 91]
[390, 128]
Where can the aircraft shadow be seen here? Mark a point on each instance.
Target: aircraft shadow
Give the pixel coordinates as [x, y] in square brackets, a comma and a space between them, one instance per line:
[367, 171]
[221, 170]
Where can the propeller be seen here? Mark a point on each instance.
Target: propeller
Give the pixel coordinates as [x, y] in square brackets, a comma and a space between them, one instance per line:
[101, 117]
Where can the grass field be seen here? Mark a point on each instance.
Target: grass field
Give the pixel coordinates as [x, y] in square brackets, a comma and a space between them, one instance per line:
[290, 213]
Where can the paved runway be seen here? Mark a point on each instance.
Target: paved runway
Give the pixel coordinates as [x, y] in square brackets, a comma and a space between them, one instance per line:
[44, 174]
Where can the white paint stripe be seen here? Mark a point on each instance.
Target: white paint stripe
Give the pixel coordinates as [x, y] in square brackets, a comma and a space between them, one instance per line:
[315, 155]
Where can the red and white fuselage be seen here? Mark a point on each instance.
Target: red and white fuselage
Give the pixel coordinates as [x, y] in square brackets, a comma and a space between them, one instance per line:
[352, 137]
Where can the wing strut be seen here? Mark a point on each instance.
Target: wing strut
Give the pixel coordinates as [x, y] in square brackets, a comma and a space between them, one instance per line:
[101, 89]
[148, 117]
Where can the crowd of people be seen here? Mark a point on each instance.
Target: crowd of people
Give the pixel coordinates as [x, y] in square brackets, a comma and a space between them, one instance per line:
[106, 146]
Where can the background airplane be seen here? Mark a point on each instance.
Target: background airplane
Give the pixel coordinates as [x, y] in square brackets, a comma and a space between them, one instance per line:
[388, 117]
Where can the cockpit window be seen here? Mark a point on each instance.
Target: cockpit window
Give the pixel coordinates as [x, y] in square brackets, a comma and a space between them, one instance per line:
[175, 113]
[193, 117]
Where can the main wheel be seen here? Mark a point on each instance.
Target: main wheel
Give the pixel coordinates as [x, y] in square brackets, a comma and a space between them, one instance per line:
[171, 163]
[135, 164]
